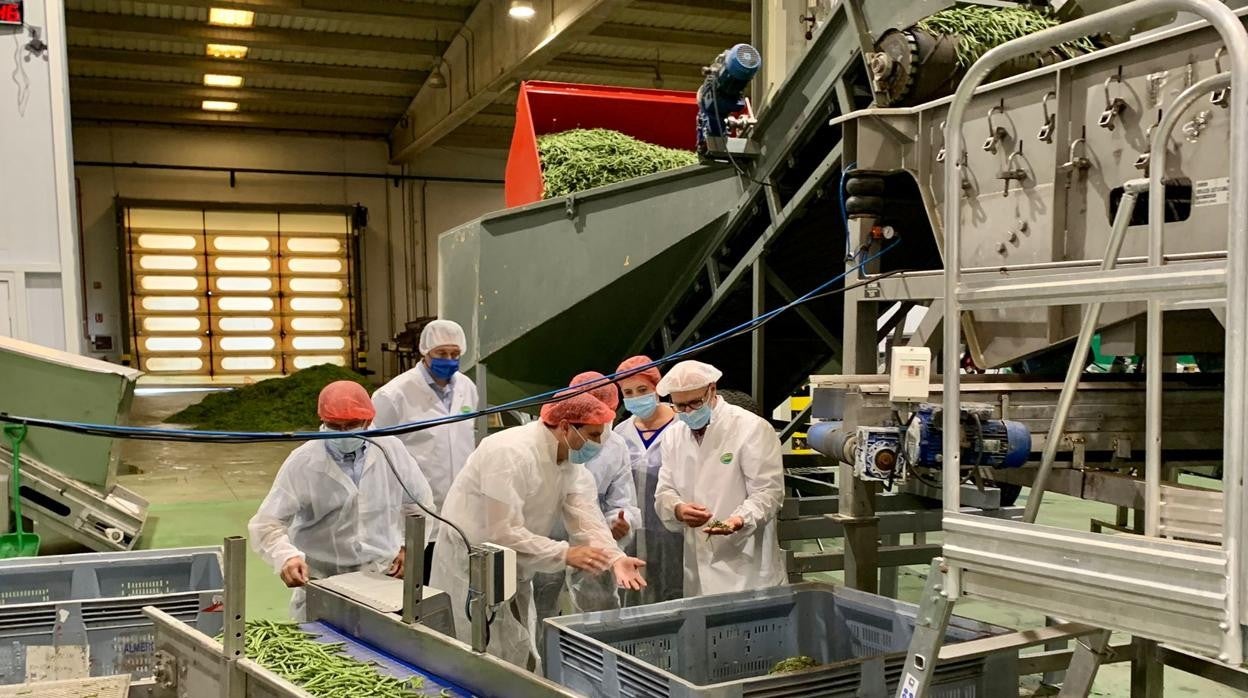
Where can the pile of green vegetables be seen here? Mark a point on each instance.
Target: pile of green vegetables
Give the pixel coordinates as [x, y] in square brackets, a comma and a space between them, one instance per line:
[980, 29]
[582, 159]
[276, 404]
[323, 670]
[793, 664]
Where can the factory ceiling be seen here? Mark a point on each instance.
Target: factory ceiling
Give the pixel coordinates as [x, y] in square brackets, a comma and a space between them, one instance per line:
[409, 71]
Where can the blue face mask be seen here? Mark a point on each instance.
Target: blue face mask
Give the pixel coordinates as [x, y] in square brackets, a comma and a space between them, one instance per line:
[587, 452]
[697, 419]
[642, 406]
[443, 369]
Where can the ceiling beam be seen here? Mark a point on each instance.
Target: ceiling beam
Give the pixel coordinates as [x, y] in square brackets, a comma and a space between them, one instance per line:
[634, 35]
[488, 57]
[243, 95]
[386, 76]
[254, 37]
[720, 9]
[407, 13]
[170, 116]
[686, 75]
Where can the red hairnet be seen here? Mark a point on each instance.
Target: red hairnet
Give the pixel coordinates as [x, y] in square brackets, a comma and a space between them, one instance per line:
[604, 391]
[650, 374]
[344, 401]
[577, 409]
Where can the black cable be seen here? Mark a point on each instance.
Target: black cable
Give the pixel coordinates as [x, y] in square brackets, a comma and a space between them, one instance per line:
[394, 471]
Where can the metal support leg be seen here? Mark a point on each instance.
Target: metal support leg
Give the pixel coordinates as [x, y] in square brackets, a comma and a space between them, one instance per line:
[1089, 653]
[476, 599]
[935, 608]
[413, 568]
[1053, 678]
[889, 575]
[1147, 673]
[234, 634]
[862, 531]
[1091, 316]
[481, 375]
[757, 346]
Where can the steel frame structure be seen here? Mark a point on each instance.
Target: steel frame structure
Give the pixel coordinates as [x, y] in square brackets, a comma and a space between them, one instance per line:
[1173, 592]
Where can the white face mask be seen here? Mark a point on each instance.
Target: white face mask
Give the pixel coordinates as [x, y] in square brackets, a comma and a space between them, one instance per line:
[344, 444]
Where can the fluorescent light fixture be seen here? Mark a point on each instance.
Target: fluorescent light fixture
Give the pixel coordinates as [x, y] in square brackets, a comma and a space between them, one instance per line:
[231, 18]
[226, 51]
[521, 9]
[214, 105]
[214, 80]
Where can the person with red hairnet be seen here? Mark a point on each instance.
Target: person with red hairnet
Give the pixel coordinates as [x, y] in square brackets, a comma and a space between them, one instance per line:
[338, 505]
[617, 499]
[643, 434]
[514, 489]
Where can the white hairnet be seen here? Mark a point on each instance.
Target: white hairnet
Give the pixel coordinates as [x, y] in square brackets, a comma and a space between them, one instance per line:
[442, 332]
[688, 375]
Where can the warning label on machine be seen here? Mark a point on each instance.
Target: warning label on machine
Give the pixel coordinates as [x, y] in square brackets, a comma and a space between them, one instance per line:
[1211, 192]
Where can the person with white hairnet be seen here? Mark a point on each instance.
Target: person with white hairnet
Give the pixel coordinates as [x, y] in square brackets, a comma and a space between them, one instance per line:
[338, 505]
[643, 432]
[617, 499]
[434, 389]
[514, 488]
[722, 484]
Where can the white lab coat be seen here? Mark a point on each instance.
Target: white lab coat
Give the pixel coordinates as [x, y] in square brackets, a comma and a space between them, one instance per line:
[510, 493]
[616, 493]
[439, 451]
[735, 471]
[314, 510]
[662, 549]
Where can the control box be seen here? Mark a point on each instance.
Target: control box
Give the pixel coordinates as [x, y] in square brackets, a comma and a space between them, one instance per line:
[910, 374]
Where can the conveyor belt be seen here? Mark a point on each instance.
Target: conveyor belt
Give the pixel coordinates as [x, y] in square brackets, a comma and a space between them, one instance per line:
[386, 664]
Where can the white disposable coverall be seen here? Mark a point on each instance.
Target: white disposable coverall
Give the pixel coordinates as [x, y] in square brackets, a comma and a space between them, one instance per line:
[662, 549]
[315, 511]
[511, 493]
[735, 471]
[594, 592]
[439, 451]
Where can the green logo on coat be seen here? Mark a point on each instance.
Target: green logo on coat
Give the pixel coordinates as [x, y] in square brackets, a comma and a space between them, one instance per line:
[465, 409]
[725, 458]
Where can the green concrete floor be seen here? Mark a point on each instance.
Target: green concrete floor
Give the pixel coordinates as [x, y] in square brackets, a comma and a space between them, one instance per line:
[200, 494]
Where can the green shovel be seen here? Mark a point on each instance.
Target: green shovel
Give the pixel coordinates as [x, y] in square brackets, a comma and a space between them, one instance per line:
[18, 544]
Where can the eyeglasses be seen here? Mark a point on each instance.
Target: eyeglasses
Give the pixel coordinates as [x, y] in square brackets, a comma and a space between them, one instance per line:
[693, 404]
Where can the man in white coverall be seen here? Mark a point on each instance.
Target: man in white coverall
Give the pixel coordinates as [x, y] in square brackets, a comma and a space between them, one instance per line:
[434, 389]
[337, 505]
[514, 488]
[722, 483]
[617, 499]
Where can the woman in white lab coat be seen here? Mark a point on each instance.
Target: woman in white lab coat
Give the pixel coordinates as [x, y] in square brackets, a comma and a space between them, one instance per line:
[337, 505]
[721, 464]
[514, 487]
[435, 388]
[643, 432]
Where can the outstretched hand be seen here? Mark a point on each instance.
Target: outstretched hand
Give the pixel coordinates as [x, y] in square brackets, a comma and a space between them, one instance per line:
[628, 573]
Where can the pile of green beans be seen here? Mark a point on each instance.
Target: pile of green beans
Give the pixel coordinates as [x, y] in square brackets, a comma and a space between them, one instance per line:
[324, 670]
[982, 28]
[582, 159]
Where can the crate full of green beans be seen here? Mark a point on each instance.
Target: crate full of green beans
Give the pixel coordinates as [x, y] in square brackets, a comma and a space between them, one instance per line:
[83, 614]
[568, 138]
[805, 639]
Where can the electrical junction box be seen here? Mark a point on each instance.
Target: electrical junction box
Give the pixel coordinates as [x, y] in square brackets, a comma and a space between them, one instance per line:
[500, 573]
[909, 374]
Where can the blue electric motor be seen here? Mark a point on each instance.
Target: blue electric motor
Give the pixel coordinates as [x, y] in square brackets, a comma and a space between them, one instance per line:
[721, 93]
[997, 443]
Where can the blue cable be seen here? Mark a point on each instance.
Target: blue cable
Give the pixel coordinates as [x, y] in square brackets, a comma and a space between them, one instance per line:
[154, 433]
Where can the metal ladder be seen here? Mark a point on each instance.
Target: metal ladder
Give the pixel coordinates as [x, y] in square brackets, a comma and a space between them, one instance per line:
[1029, 564]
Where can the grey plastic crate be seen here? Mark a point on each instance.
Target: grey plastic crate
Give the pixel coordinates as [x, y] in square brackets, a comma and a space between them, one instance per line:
[723, 646]
[96, 600]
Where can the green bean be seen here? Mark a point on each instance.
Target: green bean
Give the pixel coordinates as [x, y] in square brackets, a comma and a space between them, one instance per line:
[979, 29]
[582, 159]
